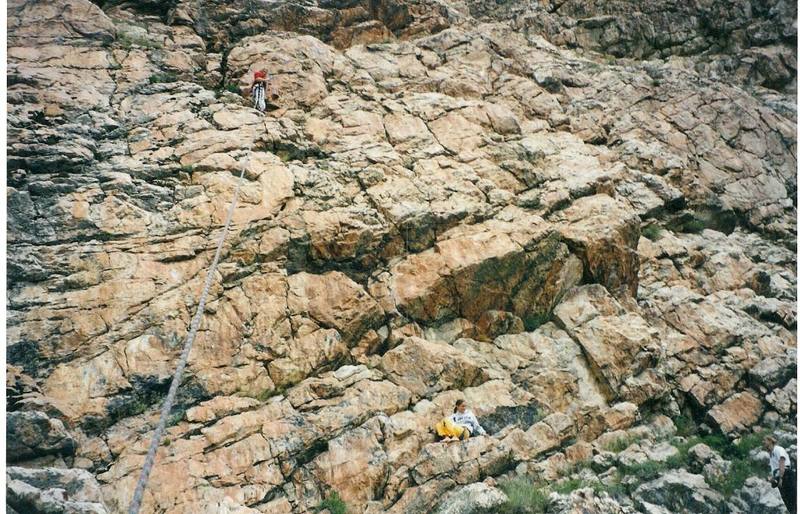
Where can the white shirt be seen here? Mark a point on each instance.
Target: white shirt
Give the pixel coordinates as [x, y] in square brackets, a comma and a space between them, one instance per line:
[468, 419]
[775, 459]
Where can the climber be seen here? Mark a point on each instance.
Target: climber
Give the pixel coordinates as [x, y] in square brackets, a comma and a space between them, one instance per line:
[781, 473]
[460, 425]
[258, 91]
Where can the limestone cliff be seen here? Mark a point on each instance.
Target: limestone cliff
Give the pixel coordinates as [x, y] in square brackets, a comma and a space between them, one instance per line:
[580, 216]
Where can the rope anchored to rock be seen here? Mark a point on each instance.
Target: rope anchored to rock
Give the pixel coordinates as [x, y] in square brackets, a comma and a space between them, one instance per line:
[138, 493]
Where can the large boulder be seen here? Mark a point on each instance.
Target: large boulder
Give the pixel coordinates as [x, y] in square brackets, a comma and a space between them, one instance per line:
[478, 498]
[355, 464]
[32, 434]
[680, 491]
[514, 264]
[618, 344]
[605, 235]
[53, 491]
[737, 413]
[584, 501]
[758, 496]
[426, 367]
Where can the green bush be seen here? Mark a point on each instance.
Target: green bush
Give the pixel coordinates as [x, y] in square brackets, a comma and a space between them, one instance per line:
[733, 480]
[645, 471]
[742, 466]
[333, 503]
[230, 88]
[749, 443]
[694, 226]
[568, 486]
[159, 78]
[176, 416]
[685, 425]
[524, 496]
[652, 232]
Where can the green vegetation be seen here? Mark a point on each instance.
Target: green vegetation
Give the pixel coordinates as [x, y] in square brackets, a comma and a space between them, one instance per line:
[694, 226]
[619, 444]
[176, 417]
[529, 496]
[284, 155]
[524, 496]
[646, 471]
[160, 78]
[685, 425]
[615, 488]
[609, 59]
[742, 466]
[734, 479]
[568, 486]
[652, 232]
[333, 503]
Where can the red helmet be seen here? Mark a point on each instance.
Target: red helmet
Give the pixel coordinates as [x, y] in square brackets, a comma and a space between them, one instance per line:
[260, 74]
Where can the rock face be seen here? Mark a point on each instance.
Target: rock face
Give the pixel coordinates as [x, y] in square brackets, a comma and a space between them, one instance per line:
[681, 492]
[568, 214]
[53, 490]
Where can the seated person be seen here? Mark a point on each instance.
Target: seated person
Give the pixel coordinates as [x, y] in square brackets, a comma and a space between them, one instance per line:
[460, 425]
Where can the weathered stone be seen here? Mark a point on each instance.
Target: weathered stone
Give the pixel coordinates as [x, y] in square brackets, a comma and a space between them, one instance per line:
[355, 464]
[617, 344]
[428, 182]
[426, 367]
[679, 490]
[737, 413]
[32, 434]
[605, 235]
[759, 496]
[586, 500]
[472, 499]
[53, 490]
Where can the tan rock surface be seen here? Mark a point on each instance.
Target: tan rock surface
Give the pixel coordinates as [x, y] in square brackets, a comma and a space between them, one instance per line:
[565, 217]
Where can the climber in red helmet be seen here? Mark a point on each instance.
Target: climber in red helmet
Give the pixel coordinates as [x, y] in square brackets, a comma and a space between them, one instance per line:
[258, 91]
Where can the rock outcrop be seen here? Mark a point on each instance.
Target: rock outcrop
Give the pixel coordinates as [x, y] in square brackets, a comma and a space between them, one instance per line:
[580, 217]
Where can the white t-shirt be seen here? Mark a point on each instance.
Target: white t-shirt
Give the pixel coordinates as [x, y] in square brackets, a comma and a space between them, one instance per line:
[775, 458]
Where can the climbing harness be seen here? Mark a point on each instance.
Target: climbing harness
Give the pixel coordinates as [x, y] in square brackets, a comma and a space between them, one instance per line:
[259, 97]
[176, 379]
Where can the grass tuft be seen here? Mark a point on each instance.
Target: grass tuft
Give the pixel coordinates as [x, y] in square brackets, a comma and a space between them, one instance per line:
[645, 471]
[652, 232]
[685, 425]
[568, 486]
[524, 496]
[333, 503]
[621, 443]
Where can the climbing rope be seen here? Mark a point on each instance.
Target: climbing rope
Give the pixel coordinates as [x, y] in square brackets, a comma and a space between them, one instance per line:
[138, 494]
